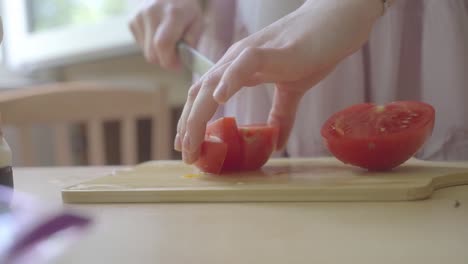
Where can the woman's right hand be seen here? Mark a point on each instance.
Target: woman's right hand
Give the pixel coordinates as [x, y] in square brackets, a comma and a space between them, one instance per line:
[159, 24]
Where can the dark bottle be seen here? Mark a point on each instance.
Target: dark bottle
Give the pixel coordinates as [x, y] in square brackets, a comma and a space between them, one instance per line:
[6, 172]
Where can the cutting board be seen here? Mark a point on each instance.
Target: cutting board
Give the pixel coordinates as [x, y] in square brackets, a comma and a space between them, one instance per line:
[324, 179]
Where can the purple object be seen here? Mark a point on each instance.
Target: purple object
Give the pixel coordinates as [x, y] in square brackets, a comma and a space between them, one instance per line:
[32, 232]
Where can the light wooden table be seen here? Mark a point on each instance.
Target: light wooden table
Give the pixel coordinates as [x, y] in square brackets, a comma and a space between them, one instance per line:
[431, 231]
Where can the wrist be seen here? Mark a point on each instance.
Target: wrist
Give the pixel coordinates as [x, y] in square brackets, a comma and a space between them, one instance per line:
[376, 8]
[386, 5]
[370, 10]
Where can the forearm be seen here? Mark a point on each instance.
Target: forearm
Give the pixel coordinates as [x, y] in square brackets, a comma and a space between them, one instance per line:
[371, 9]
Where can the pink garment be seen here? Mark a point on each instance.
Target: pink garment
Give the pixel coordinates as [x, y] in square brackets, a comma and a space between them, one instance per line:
[417, 51]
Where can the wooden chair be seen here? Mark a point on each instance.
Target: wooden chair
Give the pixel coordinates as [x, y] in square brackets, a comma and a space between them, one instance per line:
[62, 104]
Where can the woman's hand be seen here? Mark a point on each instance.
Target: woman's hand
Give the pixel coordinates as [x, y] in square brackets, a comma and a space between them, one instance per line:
[159, 24]
[295, 53]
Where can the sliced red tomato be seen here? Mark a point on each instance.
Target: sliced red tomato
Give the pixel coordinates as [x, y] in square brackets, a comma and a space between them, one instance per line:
[226, 130]
[379, 137]
[230, 149]
[258, 143]
[212, 155]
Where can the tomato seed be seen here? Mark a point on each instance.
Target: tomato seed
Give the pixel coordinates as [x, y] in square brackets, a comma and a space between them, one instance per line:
[379, 108]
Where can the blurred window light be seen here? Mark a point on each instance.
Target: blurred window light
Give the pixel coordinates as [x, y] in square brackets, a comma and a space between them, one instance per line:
[42, 34]
[49, 14]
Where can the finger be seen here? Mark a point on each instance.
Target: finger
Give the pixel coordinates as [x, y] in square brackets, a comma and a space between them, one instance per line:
[192, 94]
[169, 32]
[283, 113]
[248, 68]
[151, 23]
[203, 109]
[193, 33]
[135, 27]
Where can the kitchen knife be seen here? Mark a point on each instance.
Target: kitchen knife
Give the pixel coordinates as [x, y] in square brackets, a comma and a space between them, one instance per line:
[193, 60]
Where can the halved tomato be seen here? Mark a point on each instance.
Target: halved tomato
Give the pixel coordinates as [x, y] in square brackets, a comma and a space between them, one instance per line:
[379, 137]
[226, 130]
[212, 155]
[258, 143]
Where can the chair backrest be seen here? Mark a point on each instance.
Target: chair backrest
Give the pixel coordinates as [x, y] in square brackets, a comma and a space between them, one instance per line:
[62, 104]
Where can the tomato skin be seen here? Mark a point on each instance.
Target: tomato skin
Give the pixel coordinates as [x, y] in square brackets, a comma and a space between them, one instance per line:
[212, 156]
[226, 130]
[228, 148]
[258, 143]
[378, 154]
[378, 137]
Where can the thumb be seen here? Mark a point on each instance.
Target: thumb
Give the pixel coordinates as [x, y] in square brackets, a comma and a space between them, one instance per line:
[283, 112]
[193, 32]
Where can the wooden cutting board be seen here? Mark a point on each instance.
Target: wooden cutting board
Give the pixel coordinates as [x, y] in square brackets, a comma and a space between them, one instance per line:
[324, 179]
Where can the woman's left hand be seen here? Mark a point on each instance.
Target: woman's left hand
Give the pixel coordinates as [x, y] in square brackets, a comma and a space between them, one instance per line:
[295, 53]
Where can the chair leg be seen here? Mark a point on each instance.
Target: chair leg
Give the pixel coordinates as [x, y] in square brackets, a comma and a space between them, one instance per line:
[95, 143]
[26, 146]
[63, 149]
[128, 139]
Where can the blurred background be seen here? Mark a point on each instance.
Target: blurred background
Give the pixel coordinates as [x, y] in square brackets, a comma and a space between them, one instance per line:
[78, 41]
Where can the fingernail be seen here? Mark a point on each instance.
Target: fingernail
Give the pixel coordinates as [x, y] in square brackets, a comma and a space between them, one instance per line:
[185, 157]
[220, 93]
[188, 157]
[187, 143]
[190, 39]
[177, 143]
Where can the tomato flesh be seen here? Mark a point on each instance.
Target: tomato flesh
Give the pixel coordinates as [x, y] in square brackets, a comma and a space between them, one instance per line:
[212, 155]
[226, 130]
[379, 137]
[258, 143]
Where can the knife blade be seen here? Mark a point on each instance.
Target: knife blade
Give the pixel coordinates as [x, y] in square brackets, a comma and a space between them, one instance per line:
[193, 60]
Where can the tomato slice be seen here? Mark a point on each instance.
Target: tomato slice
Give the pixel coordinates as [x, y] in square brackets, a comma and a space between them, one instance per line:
[212, 155]
[379, 137]
[226, 129]
[258, 143]
[228, 148]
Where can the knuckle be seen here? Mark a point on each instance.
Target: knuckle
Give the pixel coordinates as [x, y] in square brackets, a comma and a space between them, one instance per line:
[162, 42]
[147, 9]
[210, 80]
[132, 22]
[150, 54]
[174, 11]
[289, 47]
[192, 122]
[155, 5]
[208, 85]
[251, 52]
[132, 26]
[234, 47]
[146, 12]
[241, 45]
[179, 128]
[192, 93]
